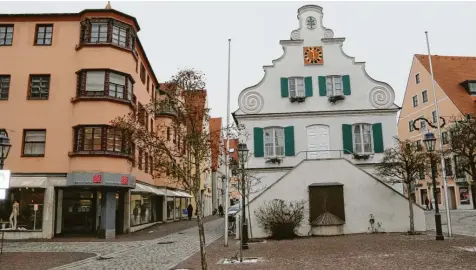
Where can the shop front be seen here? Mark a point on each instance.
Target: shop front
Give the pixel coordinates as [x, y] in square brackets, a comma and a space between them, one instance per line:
[146, 206]
[93, 203]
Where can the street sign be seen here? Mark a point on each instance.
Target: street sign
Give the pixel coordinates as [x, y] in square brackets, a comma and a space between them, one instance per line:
[4, 179]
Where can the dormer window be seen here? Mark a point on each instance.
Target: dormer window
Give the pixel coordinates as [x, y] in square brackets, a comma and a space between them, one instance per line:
[470, 86]
[296, 87]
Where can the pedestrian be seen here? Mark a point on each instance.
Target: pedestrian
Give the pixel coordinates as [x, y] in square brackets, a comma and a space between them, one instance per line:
[190, 211]
[220, 210]
[427, 203]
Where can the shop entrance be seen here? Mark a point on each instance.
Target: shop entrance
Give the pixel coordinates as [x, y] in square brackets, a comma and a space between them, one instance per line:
[79, 211]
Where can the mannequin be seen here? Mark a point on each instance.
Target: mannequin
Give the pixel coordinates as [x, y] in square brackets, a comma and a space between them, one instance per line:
[14, 215]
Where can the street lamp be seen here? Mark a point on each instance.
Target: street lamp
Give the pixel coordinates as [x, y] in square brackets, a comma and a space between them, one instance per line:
[4, 146]
[430, 142]
[243, 154]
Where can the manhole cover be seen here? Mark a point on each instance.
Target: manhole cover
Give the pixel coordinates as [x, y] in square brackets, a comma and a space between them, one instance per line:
[165, 243]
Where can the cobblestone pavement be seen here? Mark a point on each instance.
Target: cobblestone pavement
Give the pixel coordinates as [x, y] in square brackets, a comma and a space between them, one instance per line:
[463, 221]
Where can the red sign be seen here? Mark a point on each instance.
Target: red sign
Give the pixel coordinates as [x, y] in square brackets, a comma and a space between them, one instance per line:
[124, 180]
[97, 179]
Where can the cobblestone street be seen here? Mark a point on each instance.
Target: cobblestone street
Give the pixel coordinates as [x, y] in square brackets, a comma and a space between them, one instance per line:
[462, 221]
[160, 253]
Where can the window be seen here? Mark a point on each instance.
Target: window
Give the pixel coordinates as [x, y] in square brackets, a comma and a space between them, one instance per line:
[448, 167]
[417, 78]
[39, 87]
[44, 34]
[146, 162]
[6, 35]
[101, 83]
[140, 159]
[415, 101]
[148, 83]
[424, 96]
[168, 133]
[142, 73]
[444, 137]
[151, 164]
[141, 115]
[119, 35]
[362, 134]
[34, 143]
[296, 87]
[98, 33]
[334, 86]
[421, 174]
[433, 117]
[274, 142]
[152, 126]
[471, 85]
[458, 168]
[418, 145]
[410, 126]
[101, 138]
[422, 124]
[4, 86]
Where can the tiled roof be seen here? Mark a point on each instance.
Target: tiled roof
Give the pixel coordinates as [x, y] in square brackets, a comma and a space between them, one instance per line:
[449, 72]
[215, 138]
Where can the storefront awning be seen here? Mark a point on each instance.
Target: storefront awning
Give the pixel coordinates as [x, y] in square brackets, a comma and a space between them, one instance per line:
[28, 182]
[183, 194]
[147, 189]
[175, 193]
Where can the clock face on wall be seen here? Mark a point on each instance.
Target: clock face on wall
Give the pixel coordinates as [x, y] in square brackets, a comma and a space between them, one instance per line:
[313, 55]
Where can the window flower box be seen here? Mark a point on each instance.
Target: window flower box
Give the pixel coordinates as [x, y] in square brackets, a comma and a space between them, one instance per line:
[297, 99]
[335, 99]
[361, 156]
[274, 160]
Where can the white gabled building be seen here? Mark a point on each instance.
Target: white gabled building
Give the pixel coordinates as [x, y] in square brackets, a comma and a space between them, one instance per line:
[318, 120]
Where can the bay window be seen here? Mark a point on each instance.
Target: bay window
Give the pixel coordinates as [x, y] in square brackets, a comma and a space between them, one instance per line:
[107, 31]
[105, 83]
[119, 35]
[362, 134]
[99, 139]
[98, 33]
[274, 142]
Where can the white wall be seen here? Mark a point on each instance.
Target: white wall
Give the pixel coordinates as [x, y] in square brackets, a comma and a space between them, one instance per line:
[363, 195]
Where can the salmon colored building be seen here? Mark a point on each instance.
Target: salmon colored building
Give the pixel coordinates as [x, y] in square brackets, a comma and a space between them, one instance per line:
[63, 78]
[455, 85]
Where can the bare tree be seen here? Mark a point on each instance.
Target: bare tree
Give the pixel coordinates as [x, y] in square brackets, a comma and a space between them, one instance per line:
[178, 149]
[463, 146]
[402, 164]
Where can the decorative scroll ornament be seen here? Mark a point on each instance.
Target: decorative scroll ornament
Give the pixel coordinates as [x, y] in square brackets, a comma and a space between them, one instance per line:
[328, 33]
[295, 35]
[251, 102]
[431, 124]
[381, 98]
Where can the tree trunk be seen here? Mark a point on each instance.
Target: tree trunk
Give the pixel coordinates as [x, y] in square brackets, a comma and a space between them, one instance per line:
[199, 201]
[410, 208]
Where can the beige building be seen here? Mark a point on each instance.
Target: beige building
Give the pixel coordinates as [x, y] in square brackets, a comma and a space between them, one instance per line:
[63, 78]
[455, 94]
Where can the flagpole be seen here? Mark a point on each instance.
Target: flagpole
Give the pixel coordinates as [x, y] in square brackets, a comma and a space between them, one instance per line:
[443, 168]
[227, 199]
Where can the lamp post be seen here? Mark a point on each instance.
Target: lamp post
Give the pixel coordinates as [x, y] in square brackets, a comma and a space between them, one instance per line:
[430, 142]
[243, 152]
[4, 146]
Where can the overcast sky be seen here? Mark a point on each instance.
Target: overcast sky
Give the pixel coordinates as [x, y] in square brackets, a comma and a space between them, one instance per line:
[195, 34]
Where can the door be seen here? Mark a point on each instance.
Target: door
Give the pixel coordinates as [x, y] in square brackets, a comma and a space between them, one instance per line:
[452, 199]
[318, 145]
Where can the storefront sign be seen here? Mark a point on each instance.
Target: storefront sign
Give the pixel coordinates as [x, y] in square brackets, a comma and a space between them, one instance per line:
[101, 179]
[4, 179]
[464, 195]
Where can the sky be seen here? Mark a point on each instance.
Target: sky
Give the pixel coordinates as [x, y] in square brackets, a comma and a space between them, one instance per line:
[385, 35]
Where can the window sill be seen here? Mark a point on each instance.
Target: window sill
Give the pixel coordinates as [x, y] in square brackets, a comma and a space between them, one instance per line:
[3, 98]
[100, 154]
[35, 98]
[103, 98]
[107, 44]
[32, 156]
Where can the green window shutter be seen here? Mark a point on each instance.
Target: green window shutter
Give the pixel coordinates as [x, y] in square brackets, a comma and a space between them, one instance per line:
[346, 83]
[347, 139]
[378, 138]
[308, 85]
[258, 138]
[322, 86]
[289, 141]
[284, 87]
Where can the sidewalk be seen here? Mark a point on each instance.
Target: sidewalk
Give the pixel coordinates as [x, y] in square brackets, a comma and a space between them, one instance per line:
[156, 231]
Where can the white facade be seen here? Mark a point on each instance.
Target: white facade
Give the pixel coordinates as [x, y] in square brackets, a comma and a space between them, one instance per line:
[282, 133]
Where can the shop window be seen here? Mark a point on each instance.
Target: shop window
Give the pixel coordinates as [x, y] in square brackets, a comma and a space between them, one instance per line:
[34, 143]
[143, 208]
[30, 205]
[101, 140]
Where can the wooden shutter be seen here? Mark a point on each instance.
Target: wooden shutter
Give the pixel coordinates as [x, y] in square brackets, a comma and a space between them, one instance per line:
[322, 86]
[289, 141]
[347, 139]
[308, 86]
[378, 138]
[258, 138]
[346, 84]
[284, 87]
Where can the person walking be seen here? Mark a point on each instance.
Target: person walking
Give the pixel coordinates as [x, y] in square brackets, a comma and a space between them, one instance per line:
[190, 211]
[427, 203]
[220, 210]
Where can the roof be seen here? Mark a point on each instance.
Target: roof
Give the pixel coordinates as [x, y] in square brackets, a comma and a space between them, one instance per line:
[215, 136]
[449, 72]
